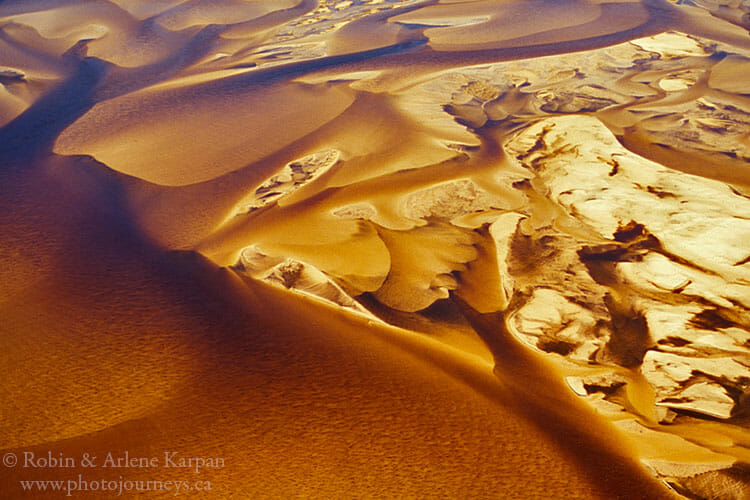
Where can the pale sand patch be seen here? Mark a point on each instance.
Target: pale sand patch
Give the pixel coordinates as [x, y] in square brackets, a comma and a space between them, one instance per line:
[671, 45]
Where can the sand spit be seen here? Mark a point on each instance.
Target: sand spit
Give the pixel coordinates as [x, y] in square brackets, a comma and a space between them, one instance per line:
[379, 248]
[299, 277]
[295, 175]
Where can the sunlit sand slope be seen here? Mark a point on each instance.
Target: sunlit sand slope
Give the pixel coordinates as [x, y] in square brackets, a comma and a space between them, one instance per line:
[389, 249]
[112, 344]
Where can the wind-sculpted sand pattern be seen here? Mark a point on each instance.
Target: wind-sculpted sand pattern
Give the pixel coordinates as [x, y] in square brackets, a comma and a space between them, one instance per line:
[378, 249]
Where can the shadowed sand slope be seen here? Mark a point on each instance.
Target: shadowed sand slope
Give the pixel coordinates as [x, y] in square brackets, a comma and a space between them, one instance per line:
[378, 249]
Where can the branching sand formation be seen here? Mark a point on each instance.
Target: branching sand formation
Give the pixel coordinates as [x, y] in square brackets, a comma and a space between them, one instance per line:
[379, 248]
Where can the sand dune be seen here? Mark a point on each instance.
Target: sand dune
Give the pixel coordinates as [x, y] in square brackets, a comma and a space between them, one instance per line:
[379, 248]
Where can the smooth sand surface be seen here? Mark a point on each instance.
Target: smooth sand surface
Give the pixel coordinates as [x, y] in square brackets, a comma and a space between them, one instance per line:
[378, 249]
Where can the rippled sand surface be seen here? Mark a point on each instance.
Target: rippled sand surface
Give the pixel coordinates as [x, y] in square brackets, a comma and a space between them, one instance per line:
[378, 248]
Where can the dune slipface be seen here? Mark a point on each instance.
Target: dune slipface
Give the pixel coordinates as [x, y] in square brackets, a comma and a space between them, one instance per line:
[374, 249]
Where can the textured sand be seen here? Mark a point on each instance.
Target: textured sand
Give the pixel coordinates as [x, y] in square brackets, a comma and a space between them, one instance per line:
[379, 249]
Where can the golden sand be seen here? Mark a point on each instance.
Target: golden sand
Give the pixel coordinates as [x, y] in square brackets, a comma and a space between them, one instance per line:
[377, 249]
